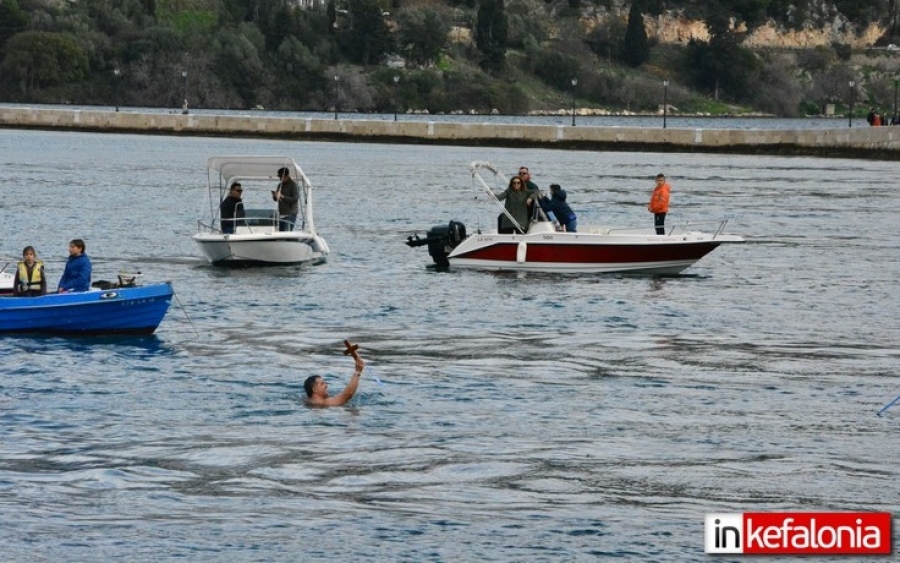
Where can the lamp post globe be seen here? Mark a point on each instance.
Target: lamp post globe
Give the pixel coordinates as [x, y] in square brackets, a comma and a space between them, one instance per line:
[116, 73]
[184, 103]
[850, 113]
[336, 95]
[574, 84]
[396, 83]
[665, 101]
[894, 113]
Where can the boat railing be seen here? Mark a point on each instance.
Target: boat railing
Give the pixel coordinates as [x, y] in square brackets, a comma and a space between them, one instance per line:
[203, 227]
[687, 226]
[680, 228]
[259, 218]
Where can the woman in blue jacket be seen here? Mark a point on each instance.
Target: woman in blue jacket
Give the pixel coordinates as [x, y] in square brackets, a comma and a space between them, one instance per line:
[77, 275]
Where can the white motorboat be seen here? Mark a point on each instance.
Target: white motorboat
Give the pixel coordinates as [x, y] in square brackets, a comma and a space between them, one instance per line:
[7, 280]
[544, 248]
[256, 239]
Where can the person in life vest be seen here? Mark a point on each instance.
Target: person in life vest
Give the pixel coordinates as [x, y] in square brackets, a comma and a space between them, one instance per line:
[659, 204]
[77, 275]
[30, 279]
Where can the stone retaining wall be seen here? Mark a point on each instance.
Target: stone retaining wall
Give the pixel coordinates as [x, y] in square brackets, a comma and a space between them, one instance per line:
[881, 143]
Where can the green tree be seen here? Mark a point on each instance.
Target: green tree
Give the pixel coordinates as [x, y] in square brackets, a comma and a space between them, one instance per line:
[300, 72]
[40, 59]
[12, 21]
[635, 47]
[491, 34]
[239, 61]
[555, 69]
[722, 65]
[367, 39]
[423, 35]
[751, 12]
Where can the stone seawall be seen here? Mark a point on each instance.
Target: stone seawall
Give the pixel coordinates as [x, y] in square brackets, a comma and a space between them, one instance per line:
[881, 143]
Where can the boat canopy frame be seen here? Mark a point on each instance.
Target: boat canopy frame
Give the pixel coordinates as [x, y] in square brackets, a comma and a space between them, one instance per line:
[502, 182]
[223, 171]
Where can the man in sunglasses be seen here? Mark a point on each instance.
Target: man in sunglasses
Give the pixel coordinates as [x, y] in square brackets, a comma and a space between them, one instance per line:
[232, 209]
[525, 175]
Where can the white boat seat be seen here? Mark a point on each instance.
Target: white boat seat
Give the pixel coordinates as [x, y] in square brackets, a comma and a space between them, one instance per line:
[245, 230]
[541, 227]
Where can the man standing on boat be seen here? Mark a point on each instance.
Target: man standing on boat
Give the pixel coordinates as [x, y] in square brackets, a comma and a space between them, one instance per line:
[532, 189]
[526, 177]
[659, 203]
[287, 195]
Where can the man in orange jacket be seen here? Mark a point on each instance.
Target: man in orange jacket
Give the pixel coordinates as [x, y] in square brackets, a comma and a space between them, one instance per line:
[659, 203]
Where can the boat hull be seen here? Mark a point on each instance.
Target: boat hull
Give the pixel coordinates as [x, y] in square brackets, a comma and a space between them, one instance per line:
[126, 310]
[585, 253]
[272, 249]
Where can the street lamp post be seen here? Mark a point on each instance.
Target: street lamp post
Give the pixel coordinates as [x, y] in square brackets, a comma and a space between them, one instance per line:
[116, 93]
[894, 114]
[336, 96]
[574, 84]
[184, 104]
[396, 83]
[665, 101]
[850, 115]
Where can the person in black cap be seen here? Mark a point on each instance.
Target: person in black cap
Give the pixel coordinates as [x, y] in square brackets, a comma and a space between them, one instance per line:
[287, 195]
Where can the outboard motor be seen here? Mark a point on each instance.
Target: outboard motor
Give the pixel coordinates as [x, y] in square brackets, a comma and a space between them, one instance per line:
[441, 239]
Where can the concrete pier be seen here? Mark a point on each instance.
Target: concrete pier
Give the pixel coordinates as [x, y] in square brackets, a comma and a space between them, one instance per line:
[879, 143]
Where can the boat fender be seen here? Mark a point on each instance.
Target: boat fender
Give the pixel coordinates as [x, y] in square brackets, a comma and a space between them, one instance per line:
[318, 245]
[521, 251]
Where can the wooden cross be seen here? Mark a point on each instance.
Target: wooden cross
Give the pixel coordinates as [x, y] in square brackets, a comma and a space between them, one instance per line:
[351, 349]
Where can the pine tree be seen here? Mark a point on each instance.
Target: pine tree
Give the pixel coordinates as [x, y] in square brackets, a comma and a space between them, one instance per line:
[635, 47]
[491, 34]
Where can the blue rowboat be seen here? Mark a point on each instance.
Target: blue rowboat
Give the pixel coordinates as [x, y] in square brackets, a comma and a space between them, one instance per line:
[117, 310]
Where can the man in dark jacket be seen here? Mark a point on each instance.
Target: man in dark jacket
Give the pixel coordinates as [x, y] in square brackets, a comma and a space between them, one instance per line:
[232, 209]
[287, 195]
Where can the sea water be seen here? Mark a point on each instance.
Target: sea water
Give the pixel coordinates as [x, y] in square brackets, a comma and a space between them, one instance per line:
[517, 418]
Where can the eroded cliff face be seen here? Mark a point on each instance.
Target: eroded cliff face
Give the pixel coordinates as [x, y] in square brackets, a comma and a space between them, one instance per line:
[771, 35]
[675, 28]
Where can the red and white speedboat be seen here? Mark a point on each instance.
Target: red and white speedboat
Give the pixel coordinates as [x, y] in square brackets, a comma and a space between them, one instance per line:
[592, 250]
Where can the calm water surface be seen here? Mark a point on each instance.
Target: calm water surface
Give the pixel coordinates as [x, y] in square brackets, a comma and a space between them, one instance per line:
[513, 418]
